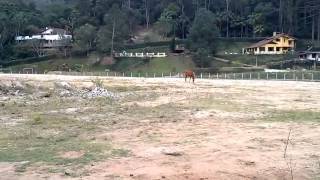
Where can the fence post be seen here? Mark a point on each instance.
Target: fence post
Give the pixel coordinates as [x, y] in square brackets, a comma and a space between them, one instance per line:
[201, 75]
[154, 75]
[170, 74]
[312, 76]
[267, 76]
[217, 75]
[209, 76]
[139, 75]
[234, 76]
[130, 74]
[242, 76]
[276, 76]
[284, 76]
[162, 74]
[146, 74]
[258, 76]
[225, 75]
[250, 76]
[107, 74]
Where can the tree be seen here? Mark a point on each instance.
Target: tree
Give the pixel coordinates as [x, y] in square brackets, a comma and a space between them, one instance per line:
[202, 36]
[169, 19]
[85, 38]
[115, 31]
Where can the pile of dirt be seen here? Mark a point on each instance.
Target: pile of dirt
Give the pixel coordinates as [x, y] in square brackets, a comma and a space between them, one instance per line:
[13, 88]
[65, 89]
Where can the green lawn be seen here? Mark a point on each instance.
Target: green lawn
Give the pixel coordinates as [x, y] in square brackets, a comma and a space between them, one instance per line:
[157, 65]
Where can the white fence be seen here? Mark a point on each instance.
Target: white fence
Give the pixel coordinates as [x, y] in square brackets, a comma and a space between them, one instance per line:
[278, 76]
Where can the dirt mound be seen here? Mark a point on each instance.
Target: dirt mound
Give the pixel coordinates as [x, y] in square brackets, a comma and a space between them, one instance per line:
[12, 88]
[65, 89]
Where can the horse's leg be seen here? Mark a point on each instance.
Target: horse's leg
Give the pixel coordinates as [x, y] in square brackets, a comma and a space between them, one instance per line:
[193, 79]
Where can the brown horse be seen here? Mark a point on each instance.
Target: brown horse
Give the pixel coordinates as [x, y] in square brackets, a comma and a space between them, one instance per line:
[189, 74]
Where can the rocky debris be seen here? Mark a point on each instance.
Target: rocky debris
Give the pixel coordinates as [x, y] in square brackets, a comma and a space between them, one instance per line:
[64, 89]
[13, 88]
[99, 92]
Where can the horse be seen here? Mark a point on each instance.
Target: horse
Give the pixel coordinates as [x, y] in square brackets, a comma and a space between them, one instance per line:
[189, 74]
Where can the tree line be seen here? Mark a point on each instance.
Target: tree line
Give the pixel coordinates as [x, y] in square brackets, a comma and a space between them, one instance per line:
[106, 25]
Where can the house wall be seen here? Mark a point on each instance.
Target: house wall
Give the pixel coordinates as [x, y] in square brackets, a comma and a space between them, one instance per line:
[279, 47]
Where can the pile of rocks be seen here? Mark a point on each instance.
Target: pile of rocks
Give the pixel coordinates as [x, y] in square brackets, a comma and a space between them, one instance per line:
[64, 89]
[13, 88]
[99, 92]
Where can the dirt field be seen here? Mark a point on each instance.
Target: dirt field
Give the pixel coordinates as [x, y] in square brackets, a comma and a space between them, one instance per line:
[52, 127]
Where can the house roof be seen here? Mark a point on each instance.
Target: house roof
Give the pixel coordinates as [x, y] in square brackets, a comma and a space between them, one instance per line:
[54, 31]
[270, 40]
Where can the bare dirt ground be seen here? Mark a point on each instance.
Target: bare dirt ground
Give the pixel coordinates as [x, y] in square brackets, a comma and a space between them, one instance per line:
[158, 129]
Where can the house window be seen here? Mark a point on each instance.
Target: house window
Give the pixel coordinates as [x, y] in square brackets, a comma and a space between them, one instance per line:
[314, 56]
[278, 40]
[278, 49]
[270, 48]
[290, 42]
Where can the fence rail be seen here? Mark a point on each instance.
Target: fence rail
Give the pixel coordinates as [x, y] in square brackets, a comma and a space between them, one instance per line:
[272, 76]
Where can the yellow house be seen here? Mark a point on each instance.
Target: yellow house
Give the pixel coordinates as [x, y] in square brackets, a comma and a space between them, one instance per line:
[277, 44]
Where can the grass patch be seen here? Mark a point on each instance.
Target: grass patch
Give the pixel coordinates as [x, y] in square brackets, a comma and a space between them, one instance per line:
[214, 103]
[44, 142]
[155, 65]
[251, 60]
[294, 116]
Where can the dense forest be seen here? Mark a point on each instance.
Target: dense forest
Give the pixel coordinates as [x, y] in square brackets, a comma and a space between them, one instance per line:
[104, 25]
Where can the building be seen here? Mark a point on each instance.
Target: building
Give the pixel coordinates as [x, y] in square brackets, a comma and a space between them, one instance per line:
[50, 38]
[312, 54]
[279, 43]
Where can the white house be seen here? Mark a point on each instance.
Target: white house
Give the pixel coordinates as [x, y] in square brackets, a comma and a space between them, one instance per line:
[51, 38]
[313, 54]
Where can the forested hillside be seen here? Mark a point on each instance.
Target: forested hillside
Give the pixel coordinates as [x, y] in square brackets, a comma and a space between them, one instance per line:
[103, 25]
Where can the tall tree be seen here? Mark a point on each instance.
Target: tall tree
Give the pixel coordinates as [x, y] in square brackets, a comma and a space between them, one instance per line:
[202, 37]
[85, 38]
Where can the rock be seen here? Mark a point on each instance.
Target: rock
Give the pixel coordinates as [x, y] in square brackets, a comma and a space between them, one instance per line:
[17, 85]
[171, 152]
[63, 85]
[45, 94]
[68, 172]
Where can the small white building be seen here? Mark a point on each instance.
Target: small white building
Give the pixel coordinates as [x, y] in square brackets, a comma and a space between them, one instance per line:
[313, 55]
[51, 38]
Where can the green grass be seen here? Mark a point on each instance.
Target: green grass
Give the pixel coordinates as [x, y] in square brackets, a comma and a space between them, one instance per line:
[294, 116]
[155, 65]
[251, 60]
[230, 46]
[54, 64]
[44, 137]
